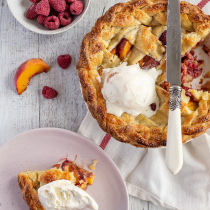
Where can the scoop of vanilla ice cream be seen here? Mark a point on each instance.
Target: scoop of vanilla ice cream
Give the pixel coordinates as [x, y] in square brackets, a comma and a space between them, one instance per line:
[130, 89]
[62, 194]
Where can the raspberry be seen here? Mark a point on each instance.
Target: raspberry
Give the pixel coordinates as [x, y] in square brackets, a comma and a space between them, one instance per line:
[206, 49]
[64, 61]
[163, 37]
[64, 18]
[53, 13]
[52, 22]
[43, 8]
[76, 8]
[187, 93]
[35, 1]
[58, 5]
[192, 52]
[67, 8]
[41, 19]
[31, 14]
[70, 1]
[49, 93]
[153, 106]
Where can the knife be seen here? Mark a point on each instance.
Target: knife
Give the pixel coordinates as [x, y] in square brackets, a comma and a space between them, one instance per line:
[174, 153]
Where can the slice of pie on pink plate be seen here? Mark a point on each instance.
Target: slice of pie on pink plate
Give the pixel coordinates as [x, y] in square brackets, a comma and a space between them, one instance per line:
[30, 182]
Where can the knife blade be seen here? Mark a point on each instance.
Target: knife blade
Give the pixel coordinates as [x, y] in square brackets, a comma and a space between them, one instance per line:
[174, 153]
[173, 53]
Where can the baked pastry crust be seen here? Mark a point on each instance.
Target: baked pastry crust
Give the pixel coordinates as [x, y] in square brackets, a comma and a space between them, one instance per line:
[30, 181]
[142, 22]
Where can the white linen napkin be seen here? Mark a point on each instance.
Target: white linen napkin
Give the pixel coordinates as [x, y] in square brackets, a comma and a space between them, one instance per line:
[145, 172]
[146, 175]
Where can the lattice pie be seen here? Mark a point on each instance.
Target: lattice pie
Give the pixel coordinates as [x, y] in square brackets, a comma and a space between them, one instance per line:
[31, 181]
[132, 35]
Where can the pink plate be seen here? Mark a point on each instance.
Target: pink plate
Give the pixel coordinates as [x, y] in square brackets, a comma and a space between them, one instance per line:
[39, 149]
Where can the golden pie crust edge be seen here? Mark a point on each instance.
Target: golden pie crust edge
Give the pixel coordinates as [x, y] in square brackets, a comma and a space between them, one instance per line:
[91, 55]
[29, 182]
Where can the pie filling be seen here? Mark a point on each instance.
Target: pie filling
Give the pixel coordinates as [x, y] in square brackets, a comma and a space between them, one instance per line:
[128, 89]
[83, 177]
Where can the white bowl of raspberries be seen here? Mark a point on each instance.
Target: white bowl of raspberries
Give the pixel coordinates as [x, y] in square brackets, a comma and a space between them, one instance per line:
[48, 16]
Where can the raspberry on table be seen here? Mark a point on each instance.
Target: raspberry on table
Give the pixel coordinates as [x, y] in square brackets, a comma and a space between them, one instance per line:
[35, 1]
[31, 14]
[64, 61]
[64, 18]
[58, 5]
[41, 19]
[51, 22]
[70, 1]
[43, 8]
[49, 93]
[76, 8]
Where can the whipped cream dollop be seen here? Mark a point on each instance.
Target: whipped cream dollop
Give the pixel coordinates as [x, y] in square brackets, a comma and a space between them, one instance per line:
[62, 194]
[130, 89]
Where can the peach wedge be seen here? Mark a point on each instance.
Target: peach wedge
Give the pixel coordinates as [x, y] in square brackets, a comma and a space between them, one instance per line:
[123, 48]
[26, 71]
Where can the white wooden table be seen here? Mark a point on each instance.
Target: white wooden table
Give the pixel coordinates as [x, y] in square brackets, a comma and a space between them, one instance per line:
[31, 110]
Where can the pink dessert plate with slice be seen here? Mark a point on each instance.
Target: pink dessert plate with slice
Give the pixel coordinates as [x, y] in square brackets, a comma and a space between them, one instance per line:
[40, 149]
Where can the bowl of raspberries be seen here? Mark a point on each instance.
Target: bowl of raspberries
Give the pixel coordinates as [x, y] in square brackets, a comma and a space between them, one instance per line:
[48, 16]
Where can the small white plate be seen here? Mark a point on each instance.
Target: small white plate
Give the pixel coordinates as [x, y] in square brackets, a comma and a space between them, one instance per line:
[39, 149]
[19, 8]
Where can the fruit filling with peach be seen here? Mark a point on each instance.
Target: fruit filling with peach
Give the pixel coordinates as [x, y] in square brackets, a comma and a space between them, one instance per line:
[26, 71]
[123, 48]
[114, 51]
[192, 105]
[148, 62]
[191, 68]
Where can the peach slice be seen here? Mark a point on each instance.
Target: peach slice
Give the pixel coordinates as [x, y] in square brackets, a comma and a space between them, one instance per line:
[26, 71]
[100, 72]
[90, 180]
[192, 105]
[123, 48]
[165, 85]
[148, 62]
[114, 51]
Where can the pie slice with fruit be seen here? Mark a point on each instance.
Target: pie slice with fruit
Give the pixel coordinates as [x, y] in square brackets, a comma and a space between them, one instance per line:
[30, 181]
[116, 68]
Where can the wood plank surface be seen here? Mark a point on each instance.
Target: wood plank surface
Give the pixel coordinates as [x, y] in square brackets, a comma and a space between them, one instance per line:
[31, 110]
